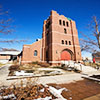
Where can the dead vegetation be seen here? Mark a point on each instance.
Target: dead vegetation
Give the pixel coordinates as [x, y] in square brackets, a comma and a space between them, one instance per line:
[34, 65]
[30, 91]
[42, 64]
[14, 67]
[1, 64]
[30, 68]
[94, 65]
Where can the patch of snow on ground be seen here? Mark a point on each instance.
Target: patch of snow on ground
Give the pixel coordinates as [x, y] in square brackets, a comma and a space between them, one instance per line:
[57, 93]
[46, 98]
[22, 73]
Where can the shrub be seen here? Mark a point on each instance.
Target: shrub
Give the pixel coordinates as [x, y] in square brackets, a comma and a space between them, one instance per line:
[14, 67]
[63, 65]
[34, 62]
[42, 64]
[57, 67]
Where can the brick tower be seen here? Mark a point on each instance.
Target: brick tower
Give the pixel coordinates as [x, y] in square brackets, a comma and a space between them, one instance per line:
[59, 42]
[60, 39]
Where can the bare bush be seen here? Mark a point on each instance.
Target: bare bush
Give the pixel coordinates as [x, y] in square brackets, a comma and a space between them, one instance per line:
[14, 67]
[42, 64]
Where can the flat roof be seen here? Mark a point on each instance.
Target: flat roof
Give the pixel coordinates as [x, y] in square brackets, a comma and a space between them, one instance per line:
[10, 52]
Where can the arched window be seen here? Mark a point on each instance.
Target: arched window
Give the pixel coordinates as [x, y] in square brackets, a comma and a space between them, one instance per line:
[64, 23]
[67, 24]
[66, 42]
[62, 41]
[35, 53]
[65, 31]
[59, 22]
[69, 42]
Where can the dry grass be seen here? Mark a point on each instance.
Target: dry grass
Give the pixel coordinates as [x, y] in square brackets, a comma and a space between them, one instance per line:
[92, 64]
[1, 64]
[42, 64]
[33, 66]
[14, 67]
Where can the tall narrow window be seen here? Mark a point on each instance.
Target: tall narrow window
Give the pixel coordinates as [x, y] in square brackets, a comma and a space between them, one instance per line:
[35, 53]
[69, 42]
[64, 23]
[59, 22]
[67, 24]
[65, 31]
[62, 41]
[48, 25]
[66, 42]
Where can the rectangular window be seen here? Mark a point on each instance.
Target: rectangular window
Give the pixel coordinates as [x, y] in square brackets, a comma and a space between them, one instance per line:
[65, 31]
[59, 22]
[64, 23]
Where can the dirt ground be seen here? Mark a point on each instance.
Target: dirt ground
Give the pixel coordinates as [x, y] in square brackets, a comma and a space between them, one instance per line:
[79, 90]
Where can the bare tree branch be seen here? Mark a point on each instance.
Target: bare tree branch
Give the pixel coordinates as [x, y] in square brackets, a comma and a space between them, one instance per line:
[12, 41]
[6, 49]
[91, 41]
[6, 27]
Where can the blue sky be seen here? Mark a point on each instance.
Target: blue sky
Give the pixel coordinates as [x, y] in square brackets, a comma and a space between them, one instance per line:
[28, 16]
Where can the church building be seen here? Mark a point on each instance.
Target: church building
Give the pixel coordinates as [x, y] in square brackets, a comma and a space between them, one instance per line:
[59, 42]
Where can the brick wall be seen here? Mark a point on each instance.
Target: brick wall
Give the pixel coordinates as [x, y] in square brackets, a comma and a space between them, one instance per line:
[50, 47]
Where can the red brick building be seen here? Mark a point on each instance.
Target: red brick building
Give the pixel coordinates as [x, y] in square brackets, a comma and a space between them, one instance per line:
[59, 42]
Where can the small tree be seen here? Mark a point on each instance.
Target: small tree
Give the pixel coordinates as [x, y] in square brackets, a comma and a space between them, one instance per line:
[91, 41]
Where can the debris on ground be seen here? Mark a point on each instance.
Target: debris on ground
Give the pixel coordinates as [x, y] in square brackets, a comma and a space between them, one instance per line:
[26, 93]
[37, 72]
[96, 76]
[46, 98]
[8, 97]
[22, 73]
[93, 77]
[36, 92]
[57, 93]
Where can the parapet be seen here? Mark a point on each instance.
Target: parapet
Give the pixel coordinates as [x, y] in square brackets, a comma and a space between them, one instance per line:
[53, 12]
